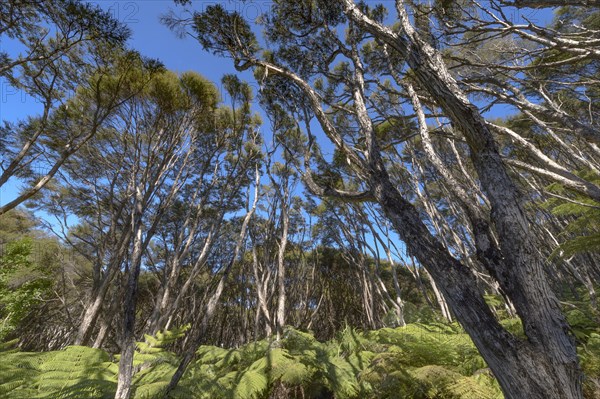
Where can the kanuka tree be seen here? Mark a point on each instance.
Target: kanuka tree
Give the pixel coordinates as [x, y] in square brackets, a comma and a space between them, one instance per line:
[57, 47]
[101, 109]
[344, 65]
[222, 166]
[166, 141]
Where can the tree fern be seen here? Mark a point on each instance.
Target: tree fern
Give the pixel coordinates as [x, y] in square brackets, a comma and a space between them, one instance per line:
[288, 368]
[475, 387]
[340, 377]
[80, 372]
[434, 379]
[154, 364]
[590, 362]
[417, 361]
[251, 384]
[386, 378]
[75, 372]
[423, 345]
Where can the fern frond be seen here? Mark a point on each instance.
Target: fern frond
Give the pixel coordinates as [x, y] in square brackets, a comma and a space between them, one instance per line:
[210, 354]
[251, 385]
[341, 378]
[479, 387]
[287, 368]
[9, 346]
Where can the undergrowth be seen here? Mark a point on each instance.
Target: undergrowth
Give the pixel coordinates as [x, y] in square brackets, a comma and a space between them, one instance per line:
[416, 361]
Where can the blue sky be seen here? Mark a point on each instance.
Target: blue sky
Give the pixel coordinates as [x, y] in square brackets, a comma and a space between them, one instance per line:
[155, 40]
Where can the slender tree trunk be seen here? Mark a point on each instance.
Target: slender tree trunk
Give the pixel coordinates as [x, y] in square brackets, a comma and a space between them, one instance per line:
[367, 295]
[92, 310]
[158, 316]
[128, 340]
[285, 220]
[200, 332]
[261, 283]
[439, 298]
[162, 310]
[96, 302]
[399, 301]
[106, 322]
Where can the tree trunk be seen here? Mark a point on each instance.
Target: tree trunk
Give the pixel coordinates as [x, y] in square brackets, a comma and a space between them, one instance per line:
[106, 322]
[92, 311]
[285, 220]
[439, 298]
[196, 336]
[128, 339]
[96, 302]
[523, 368]
[545, 365]
[158, 317]
[261, 284]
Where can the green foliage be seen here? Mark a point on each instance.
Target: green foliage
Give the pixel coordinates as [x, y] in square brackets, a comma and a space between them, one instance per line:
[422, 361]
[416, 361]
[153, 345]
[79, 372]
[583, 319]
[589, 355]
[223, 31]
[427, 361]
[75, 372]
[154, 363]
[23, 284]
[583, 231]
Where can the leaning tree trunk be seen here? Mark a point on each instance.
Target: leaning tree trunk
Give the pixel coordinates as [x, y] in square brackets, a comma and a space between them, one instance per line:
[97, 299]
[523, 368]
[261, 284]
[94, 307]
[546, 364]
[107, 320]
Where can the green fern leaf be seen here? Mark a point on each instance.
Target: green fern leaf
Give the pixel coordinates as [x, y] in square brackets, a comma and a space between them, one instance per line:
[251, 385]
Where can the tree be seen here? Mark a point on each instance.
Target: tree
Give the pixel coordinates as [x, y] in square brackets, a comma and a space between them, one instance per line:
[307, 48]
[23, 284]
[65, 43]
[243, 154]
[223, 166]
[167, 140]
[30, 264]
[100, 200]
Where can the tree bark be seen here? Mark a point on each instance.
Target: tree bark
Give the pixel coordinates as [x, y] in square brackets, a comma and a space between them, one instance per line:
[96, 302]
[128, 340]
[261, 284]
[544, 365]
[550, 349]
[200, 332]
[285, 222]
[523, 369]
[94, 307]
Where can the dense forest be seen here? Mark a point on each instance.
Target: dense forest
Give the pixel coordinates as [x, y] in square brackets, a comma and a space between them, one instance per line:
[395, 200]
